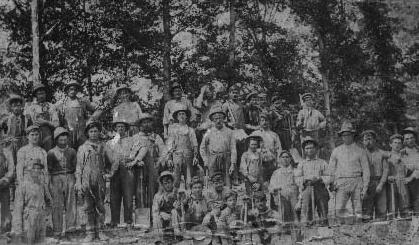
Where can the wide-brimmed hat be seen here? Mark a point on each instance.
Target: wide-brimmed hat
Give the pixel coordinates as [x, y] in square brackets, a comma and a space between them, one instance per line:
[214, 110]
[346, 127]
[217, 175]
[118, 119]
[410, 130]
[92, 123]
[39, 86]
[60, 131]
[74, 84]
[369, 132]
[309, 139]
[121, 88]
[253, 137]
[305, 96]
[259, 195]
[396, 136]
[165, 174]
[32, 128]
[144, 116]
[229, 193]
[13, 98]
[179, 108]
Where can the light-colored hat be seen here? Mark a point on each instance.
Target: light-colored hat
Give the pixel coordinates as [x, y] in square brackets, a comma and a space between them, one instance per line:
[31, 128]
[39, 86]
[60, 131]
[214, 110]
[118, 119]
[259, 195]
[73, 83]
[179, 108]
[410, 130]
[369, 132]
[308, 139]
[396, 136]
[165, 174]
[346, 127]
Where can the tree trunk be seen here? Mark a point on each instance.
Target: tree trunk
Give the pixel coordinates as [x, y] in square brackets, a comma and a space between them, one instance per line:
[325, 80]
[166, 45]
[35, 42]
[232, 41]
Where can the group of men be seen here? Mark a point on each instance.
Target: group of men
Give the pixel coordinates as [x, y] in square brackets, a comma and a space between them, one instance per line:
[55, 155]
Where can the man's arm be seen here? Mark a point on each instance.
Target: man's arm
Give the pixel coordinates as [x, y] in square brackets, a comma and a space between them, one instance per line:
[19, 165]
[203, 148]
[386, 170]
[322, 120]
[332, 166]
[365, 169]
[8, 177]
[17, 218]
[233, 149]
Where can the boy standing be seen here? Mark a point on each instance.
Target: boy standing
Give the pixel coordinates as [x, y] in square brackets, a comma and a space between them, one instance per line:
[310, 120]
[398, 172]
[7, 172]
[62, 161]
[251, 164]
[90, 181]
[313, 171]
[183, 145]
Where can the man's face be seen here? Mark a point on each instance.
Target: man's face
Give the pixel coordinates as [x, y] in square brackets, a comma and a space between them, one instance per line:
[409, 140]
[231, 202]
[177, 93]
[16, 108]
[197, 189]
[260, 203]
[285, 159]
[218, 120]
[310, 150]
[167, 183]
[264, 123]
[33, 137]
[124, 95]
[62, 140]
[253, 145]
[181, 117]
[121, 129]
[41, 95]
[396, 145]
[216, 209]
[262, 100]
[253, 101]
[233, 94]
[309, 102]
[93, 133]
[347, 138]
[368, 141]
[218, 185]
[147, 125]
[72, 92]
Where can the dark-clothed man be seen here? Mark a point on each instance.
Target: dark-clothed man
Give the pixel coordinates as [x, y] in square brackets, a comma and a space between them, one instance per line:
[376, 198]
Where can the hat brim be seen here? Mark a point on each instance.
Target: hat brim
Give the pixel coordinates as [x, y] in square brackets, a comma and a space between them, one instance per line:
[188, 114]
[216, 112]
[92, 125]
[62, 133]
[78, 86]
[139, 121]
[343, 131]
[409, 131]
[115, 123]
[13, 99]
[309, 141]
[39, 88]
[166, 175]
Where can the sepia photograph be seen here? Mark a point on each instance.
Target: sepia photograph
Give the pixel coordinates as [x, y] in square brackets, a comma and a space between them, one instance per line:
[209, 122]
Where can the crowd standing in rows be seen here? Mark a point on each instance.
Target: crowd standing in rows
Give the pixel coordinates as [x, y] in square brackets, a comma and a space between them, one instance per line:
[54, 155]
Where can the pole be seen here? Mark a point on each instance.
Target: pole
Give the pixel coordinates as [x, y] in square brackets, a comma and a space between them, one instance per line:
[35, 42]
[393, 201]
[313, 207]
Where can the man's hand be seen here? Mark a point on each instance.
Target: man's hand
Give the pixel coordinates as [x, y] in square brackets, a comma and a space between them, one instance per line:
[204, 89]
[298, 205]
[408, 180]
[195, 161]
[3, 183]
[364, 192]
[379, 188]
[391, 178]
[77, 187]
[231, 170]
[251, 179]
[256, 186]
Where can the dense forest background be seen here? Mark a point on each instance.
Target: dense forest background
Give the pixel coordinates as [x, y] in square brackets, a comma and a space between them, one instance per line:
[361, 58]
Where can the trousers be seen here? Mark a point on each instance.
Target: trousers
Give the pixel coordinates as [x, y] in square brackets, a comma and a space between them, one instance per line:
[94, 208]
[220, 162]
[63, 200]
[122, 190]
[375, 201]
[348, 189]
[321, 200]
[5, 208]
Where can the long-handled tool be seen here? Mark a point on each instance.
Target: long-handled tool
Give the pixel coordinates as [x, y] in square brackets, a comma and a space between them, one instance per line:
[280, 207]
[313, 207]
[393, 200]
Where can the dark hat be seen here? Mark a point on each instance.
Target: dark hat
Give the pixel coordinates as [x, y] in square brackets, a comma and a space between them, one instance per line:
[409, 130]
[74, 84]
[13, 98]
[306, 96]
[217, 175]
[396, 136]
[60, 131]
[346, 127]
[251, 95]
[229, 193]
[369, 132]
[174, 85]
[234, 87]
[118, 119]
[166, 174]
[39, 86]
[308, 139]
[214, 110]
[253, 137]
[32, 128]
[144, 116]
[285, 152]
[122, 87]
[259, 195]
[196, 180]
[91, 124]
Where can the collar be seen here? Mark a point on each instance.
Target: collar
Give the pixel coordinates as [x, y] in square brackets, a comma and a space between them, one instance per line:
[314, 159]
[61, 149]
